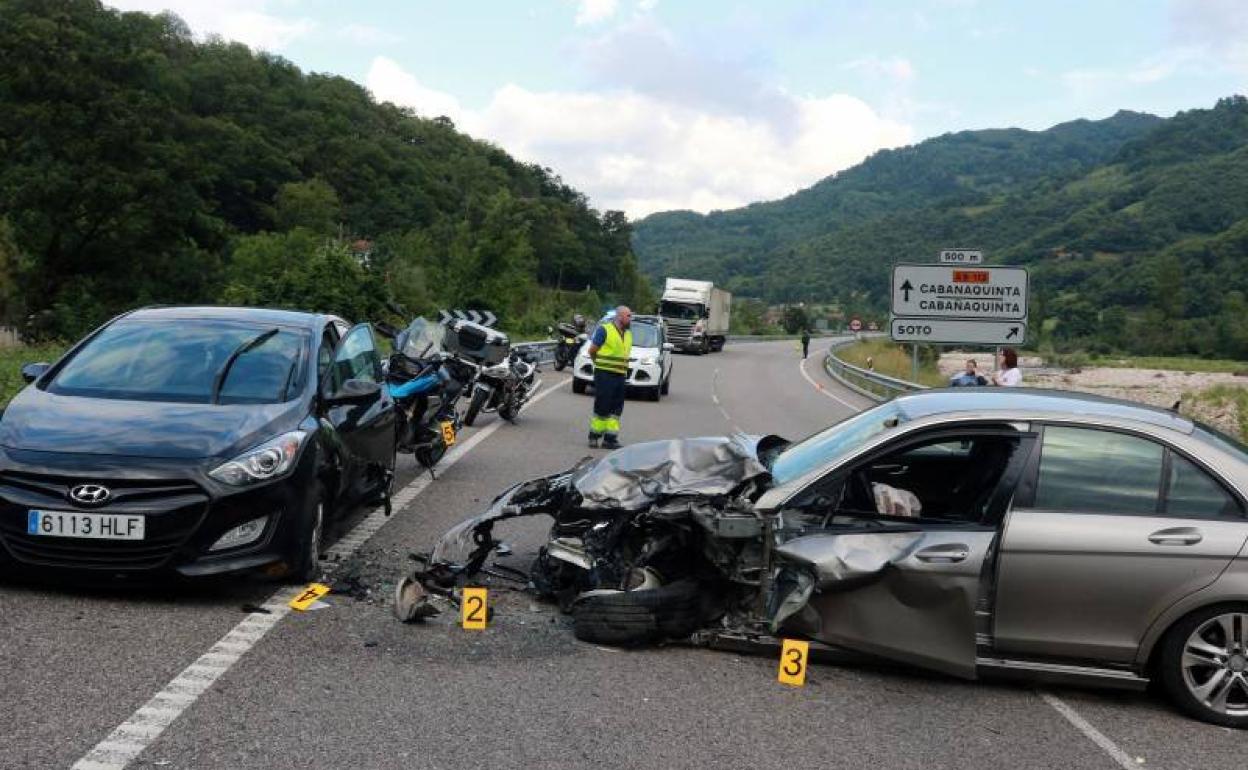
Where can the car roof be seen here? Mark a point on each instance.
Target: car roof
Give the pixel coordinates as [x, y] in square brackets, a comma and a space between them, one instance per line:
[293, 318]
[1037, 403]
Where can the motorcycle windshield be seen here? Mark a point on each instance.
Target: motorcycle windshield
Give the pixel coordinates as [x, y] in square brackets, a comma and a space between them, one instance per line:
[421, 339]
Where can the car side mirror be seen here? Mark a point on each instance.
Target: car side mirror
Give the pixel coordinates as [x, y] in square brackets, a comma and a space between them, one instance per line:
[32, 372]
[668, 346]
[354, 391]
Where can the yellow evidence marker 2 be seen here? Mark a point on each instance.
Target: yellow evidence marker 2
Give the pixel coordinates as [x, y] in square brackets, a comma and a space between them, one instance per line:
[793, 662]
[308, 596]
[473, 612]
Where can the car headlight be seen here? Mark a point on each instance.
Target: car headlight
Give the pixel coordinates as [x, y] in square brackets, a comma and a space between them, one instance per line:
[272, 459]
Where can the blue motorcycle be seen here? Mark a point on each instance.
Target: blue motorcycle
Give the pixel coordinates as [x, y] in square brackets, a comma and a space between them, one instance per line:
[426, 383]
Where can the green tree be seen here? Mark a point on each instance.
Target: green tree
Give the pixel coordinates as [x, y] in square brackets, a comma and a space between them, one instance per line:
[312, 204]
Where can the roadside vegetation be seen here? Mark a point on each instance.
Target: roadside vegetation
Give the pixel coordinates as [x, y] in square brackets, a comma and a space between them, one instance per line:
[11, 360]
[1226, 398]
[894, 360]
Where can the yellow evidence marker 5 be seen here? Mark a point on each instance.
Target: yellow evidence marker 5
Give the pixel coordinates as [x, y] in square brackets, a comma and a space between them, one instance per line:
[308, 596]
[793, 658]
[473, 612]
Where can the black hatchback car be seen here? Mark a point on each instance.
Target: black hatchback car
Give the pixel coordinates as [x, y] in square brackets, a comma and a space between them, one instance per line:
[197, 440]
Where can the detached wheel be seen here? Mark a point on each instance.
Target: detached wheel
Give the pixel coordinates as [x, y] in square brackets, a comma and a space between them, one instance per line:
[1204, 665]
[474, 407]
[578, 385]
[633, 618]
[310, 538]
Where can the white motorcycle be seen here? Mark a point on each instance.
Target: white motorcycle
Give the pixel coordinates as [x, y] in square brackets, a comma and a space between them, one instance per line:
[504, 387]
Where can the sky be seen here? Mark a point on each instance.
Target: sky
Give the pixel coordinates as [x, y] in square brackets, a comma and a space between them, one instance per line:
[653, 105]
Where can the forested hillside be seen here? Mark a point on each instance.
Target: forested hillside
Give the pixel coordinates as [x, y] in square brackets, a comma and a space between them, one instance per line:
[139, 166]
[1136, 228]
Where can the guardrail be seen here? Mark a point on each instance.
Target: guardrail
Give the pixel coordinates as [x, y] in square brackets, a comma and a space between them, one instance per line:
[872, 384]
[545, 350]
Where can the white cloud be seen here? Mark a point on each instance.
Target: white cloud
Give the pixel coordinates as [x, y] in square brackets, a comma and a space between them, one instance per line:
[1218, 29]
[897, 68]
[594, 11]
[389, 82]
[246, 21]
[642, 152]
[367, 34]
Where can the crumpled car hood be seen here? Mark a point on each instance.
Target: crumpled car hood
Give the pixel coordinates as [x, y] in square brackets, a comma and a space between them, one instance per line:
[636, 476]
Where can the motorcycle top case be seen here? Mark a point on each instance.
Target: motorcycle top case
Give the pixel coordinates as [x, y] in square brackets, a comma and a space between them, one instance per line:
[480, 343]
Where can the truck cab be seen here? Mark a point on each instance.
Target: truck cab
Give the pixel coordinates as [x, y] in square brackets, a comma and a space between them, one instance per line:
[696, 314]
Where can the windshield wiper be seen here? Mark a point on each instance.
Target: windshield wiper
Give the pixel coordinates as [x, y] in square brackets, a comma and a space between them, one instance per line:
[249, 345]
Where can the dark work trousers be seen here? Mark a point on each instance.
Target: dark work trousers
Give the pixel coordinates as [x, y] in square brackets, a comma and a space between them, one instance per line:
[608, 403]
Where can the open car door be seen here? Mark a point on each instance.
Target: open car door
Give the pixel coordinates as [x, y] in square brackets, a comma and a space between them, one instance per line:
[896, 549]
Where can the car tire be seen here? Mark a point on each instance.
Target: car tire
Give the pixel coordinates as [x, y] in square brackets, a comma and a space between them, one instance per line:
[310, 538]
[667, 384]
[633, 618]
[474, 407]
[578, 385]
[1181, 679]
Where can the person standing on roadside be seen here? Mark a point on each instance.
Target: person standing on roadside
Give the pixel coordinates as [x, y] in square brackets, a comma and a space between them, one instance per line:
[1008, 375]
[610, 348]
[805, 342]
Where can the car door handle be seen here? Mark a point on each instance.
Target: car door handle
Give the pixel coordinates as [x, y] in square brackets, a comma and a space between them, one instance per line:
[948, 553]
[1176, 536]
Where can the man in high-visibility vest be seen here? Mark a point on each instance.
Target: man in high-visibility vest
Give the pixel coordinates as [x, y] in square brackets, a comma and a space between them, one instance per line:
[610, 348]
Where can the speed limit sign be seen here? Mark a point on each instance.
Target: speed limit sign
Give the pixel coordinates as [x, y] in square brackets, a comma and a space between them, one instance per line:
[855, 325]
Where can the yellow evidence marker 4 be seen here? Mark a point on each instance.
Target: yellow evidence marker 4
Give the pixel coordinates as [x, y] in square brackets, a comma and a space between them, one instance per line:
[308, 596]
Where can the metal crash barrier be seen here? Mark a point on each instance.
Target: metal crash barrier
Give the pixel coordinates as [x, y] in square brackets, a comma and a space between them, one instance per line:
[873, 385]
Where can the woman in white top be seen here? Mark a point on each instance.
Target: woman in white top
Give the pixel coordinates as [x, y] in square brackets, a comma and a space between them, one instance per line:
[1008, 375]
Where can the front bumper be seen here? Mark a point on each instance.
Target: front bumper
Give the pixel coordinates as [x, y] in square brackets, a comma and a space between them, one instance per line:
[184, 515]
[640, 376]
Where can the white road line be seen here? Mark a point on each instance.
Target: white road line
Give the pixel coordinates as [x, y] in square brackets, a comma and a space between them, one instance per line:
[819, 387]
[146, 724]
[1084, 726]
[715, 399]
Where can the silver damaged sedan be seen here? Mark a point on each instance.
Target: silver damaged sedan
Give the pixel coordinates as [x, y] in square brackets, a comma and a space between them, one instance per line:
[976, 532]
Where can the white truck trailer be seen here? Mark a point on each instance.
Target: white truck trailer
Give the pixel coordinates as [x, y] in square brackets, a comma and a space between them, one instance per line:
[696, 313]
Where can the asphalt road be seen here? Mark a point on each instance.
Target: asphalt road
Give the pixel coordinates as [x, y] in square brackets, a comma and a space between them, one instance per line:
[348, 686]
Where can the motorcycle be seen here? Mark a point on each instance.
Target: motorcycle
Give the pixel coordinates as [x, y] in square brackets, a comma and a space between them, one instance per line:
[568, 340]
[426, 383]
[504, 387]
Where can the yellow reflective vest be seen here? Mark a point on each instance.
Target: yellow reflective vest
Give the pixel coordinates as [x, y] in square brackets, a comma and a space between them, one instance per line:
[615, 350]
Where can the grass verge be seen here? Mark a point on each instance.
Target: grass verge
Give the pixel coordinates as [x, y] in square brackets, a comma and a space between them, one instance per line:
[891, 359]
[1226, 397]
[11, 360]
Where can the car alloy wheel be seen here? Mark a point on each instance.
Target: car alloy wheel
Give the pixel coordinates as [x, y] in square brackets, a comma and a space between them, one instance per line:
[1215, 664]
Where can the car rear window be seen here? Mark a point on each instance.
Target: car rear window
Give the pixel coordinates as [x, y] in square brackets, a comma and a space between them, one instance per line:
[179, 361]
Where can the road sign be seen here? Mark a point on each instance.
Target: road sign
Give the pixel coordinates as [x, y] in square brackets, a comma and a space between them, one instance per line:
[950, 291]
[483, 317]
[954, 331]
[855, 325]
[962, 256]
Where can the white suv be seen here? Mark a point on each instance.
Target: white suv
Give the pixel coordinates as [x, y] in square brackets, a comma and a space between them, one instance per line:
[649, 366]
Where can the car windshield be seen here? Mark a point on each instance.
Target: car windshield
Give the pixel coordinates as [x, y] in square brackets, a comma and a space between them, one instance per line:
[180, 361]
[645, 335]
[421, 338]
[680, 310]
[835, 442]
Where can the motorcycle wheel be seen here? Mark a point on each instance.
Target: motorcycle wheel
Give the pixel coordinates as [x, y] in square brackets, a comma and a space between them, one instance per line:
[474, 407]
[561, 361]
